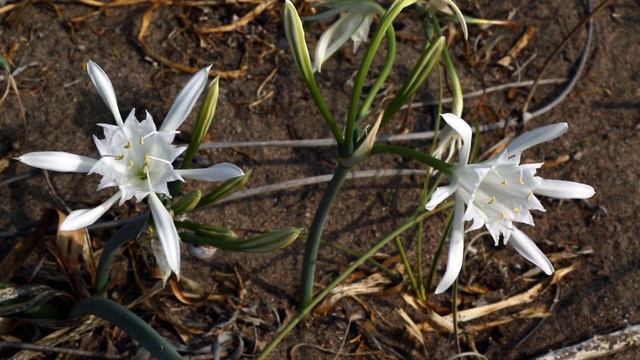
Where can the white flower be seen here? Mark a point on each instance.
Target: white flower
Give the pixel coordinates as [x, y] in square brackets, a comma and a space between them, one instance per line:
[354, 24]
[498, 192]
[137, 158]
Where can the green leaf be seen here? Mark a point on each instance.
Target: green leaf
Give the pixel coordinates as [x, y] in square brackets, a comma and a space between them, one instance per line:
[270, 241]
[213, 231]
[225, 189]
[129, 322]
[186, 203]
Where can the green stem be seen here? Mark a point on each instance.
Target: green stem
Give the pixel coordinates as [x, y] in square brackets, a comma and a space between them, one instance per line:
[386, 70]
[361, 76]
[430, 161]
[129, 322]
[407, 264]
[315, 234]
[395, 277]
[323, 294]
[125, 234]
[454, 80]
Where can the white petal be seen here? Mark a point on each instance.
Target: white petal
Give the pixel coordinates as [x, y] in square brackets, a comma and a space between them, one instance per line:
[462, 128]
[166, 232]
[105, 89]
[561, 189]
[218, 172]
[439, 195]
[535, 137]
[161, 261]
[362, 32]
[456, 249]
[185, 101]
[82, 218]
[528, 249]
[327, 45]
[58, 161]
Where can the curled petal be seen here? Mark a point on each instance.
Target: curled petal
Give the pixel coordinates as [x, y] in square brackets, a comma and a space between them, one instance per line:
[82, 218]
[58, 161]
[535, 137]
[166, 232]
[561, 189]
[462, 128]
[530, 251]
[440, 195]
[105, 89]
[218, 172]
[456, 249]
[185, 101]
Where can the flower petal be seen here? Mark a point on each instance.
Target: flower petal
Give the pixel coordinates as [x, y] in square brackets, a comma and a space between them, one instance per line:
[535, 137]
[58, 161]
[561, 189]
[462, 128]
[185, 101]
[105, 89]
[456, 249]
[440, 195]
[218, 172]
[82, 218]
[166, 232]
[328, 45]
[530, 251]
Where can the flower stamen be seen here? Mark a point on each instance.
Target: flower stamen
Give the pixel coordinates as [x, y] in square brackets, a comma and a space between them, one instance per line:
[120, 157]
[529, 196]
[493, 199]
[521, 180]
[130, 164]
[128, 146]
[503, 215]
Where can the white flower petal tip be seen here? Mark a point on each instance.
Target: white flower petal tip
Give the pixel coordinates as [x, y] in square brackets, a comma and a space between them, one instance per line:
[440, 195]
[464, 130]
[58, 161]
[218, 172]
[82, 218]
[561, 189]
[536, 136]
[185, 101]
[456, 249]
[166, 232]
[530, 251]
[105, 89]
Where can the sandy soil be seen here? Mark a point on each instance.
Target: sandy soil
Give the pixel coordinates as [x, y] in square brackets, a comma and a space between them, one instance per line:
[52, 43]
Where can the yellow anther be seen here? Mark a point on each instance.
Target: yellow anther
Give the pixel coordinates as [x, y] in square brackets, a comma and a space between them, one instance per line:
[493, 199]
[120, 157]
[128, 146]
[130, 164]
[502, 215]
[516, 210]
[141, 141]
[521, 181]
[504, 182]
[147, 158]
[529, 196]
[145, 168]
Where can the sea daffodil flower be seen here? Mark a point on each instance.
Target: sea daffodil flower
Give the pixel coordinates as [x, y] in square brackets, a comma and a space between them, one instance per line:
[137, 158]
[354, 24]
[499, 192]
